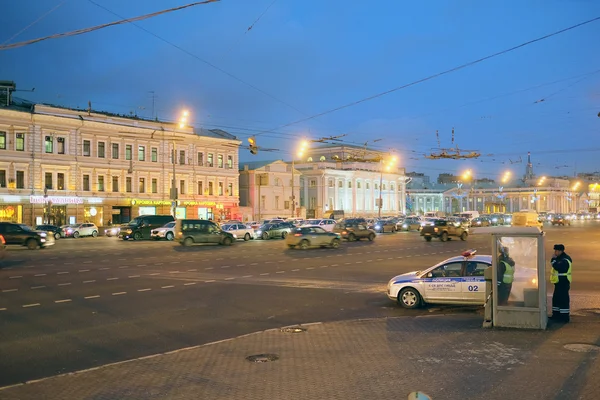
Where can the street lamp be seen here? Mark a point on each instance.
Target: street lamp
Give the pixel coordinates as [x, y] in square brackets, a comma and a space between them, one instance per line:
[468, 176]
[183, 118]
[303, 147]
[506, 176]
[541, 181]
[387, 165]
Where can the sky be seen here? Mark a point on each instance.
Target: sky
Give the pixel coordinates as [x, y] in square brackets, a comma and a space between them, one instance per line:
[304, 58]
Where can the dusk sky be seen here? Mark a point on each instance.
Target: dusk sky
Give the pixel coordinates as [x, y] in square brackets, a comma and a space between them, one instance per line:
[302, 58]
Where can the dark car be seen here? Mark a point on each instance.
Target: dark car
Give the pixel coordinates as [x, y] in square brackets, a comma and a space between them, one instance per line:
[443, 229]
[192, 231]
[23, 235]
[352, 230]
[141, 227]
[57, 231]
[481, 221]
[559, 219]
[384, 225]
[277, 230]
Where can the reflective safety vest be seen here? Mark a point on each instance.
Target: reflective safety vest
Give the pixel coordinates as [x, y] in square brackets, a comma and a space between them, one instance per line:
[509, 273]
[554, 273]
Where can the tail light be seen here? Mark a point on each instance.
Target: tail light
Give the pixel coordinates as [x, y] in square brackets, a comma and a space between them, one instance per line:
[435, 229]
[344, 232]
[2, 239]
[297, 234]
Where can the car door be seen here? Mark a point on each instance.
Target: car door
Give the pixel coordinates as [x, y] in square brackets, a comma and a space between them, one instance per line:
[361, 231]
[86, 230]
[474, 282]
[444, 283]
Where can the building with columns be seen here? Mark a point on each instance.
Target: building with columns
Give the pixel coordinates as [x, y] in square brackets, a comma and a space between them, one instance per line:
[64, 166]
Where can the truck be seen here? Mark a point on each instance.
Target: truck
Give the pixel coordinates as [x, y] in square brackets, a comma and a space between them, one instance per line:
[444, 230]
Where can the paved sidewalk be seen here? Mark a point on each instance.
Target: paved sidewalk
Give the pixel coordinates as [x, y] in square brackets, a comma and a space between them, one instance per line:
[446, 356]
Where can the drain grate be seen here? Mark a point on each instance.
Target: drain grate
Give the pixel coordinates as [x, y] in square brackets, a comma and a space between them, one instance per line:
[262, 358]
[582, 347]
[293, 329]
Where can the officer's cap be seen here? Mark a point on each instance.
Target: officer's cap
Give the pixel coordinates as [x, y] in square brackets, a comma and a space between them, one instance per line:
[560, 247]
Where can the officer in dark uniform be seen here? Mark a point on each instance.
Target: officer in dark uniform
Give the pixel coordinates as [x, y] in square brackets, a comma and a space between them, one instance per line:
[506, 273]
[560, 275]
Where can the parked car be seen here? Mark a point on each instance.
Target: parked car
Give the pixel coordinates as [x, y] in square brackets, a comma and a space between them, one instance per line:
[277, 230]
[141, 227]
[312, 236]
[166, 231]
[240, 231]
[57, 231]
[481, 221]
[559, 219]
[411, 224]
[327, 224]
[194, 231]
[80, 230]
[351, 231]
[23, 235]
[384, 225]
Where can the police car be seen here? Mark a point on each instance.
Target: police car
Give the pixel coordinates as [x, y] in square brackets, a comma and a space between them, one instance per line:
[457, 280]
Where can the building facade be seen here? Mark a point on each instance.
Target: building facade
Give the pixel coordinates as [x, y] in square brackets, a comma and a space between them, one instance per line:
[64, 166]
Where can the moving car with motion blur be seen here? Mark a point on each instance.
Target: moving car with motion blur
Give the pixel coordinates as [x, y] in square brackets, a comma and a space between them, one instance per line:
[57, 231]
[384, 225]
[276, 230]
[23, 235]
[200, 231]
[559, 219]
[81, 230]
[481, 221]
[443, 230]
[166, 231]
[352, 229]
[240, 231]
[411, 224]
[312, 236]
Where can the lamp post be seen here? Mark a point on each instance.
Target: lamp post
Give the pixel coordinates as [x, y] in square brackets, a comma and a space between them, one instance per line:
[505, 179]
[174, 195]
[468, 175]
[387, 164]
[303, 146]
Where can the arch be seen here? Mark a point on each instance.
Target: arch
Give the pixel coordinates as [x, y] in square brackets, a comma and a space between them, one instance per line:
[309, 159]
[322, 158]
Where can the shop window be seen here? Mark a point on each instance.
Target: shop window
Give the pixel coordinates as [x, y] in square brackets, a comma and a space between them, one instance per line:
[154, 154]
[20, 179]
[200, 158]
[20, 142]
[230, 189]
[142, 185]
[87, 145]
[128, 152]
[181, 187]
[115, 184]
[61, 145]
[2, 140]
[49, 144]
[154, 185]
[86, 183]
[128, 184]
[220, 161]
[210, 160]
[182, 157]
[2, 178]
[48, 180]
[200, 188]
[101, 183]
[60, 181]
[210, 188]
[141, 153]
[220, 188]
[101, 149]
[229, 162]
[115, 151]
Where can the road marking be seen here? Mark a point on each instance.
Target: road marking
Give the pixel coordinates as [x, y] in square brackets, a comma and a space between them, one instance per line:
[192, 270]
[9, 290]
[155, 273]
[64, 284]
[280, 272]
[119, 293]
[31, 305]
[53, 258]
[133, 276]
[136, 258]
[92, 297]
[358, 262]
[104, 261]
[62, 272]
[2, 309]
[295, 270]
[209, 268]
[369, 261]
[37, 287]
[219, 259]
[229, 279]
[189, 283]
[124, 266]
[68, 263]
[40, 275]
[174, 262]
[347, 263]
[102, 269]
[87, 262]
[190, 260]
[334, 265]
[15, 277]
[266, 273]
[141, 265]
[89, 281]
[158, 263]
[174, 272]
[62, 301]
[225, 266]
[111, 279]
[247, 276]
[381, 259]
[167, 287]
[310, 268]
[254, 264]
[324, 266]
[212, 280]
[84, 270]
[144, 290]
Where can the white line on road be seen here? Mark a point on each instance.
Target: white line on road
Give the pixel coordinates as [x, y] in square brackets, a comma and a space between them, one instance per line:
[144, 290]
[190, 260]
[229, 279]
[324, 266]
[133, 276]
[266, 273]
[189, 283]
[192, 270]
[53, 258]
[310, 268]
[15, 277]
[62, 301]
[141, 265]
[295, 270]
[87, 262]
[62, 272]
[103, 268]
[123, 259]
[119, 293]
[358, 262]
[40, 275]
[208, 268]
[31, 305]
[64, 284]
[154, 274]
[92, 297]
[347, 263]
[226, 266]
[9, 290]
[247, 276]
[84, 270]
[111, 279]
[167, 287]
[124, 266]
[89, 281]
[38, 287]
[280, 272]
[174, 262]
[174, 272]
[254, 264]
[2, 309]
[219, 259]
[334, 265]
[212, 280]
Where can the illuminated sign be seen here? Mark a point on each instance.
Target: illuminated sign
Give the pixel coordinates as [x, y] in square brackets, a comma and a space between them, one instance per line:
[7, 212]
[200, 203]
[55, 199]
[140, 202]
[11, 199]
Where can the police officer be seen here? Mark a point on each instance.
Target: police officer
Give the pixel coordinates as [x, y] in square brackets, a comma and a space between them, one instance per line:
[506, 273]
[560, 275]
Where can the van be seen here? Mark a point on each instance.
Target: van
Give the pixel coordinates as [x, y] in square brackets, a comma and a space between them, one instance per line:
[191, 231]
[526, 218]
[469, 215]
[140, 227]
[434, 214]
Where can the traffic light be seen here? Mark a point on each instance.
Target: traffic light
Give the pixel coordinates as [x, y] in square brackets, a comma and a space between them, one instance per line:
[253, 147]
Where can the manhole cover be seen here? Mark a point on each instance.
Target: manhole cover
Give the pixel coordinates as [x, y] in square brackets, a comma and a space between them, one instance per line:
[293, 329]
[261, 358]
[582, 347]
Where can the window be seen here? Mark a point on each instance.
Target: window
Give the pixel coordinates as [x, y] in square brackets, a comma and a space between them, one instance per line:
[312, 183]
[376, 186]
[181, 187]
[358, 185]
[115, 151]
[220, 188]
[48, 180]
[349, 184]
[286, 204]
[115, 183]
[154, 185]
[391, 187]
[20, 179]
[20, 142]
[451, 270]
[141, 153]
[128, 184]
[87, 148]
[476, 268]
[86, 183]
[210, 188]
[312, 203]
[154, 154]
[383, 187]
[230, 189]
[2, 140]
[263, 202]
[101, 183]
[200, 158]
[2, 178]
[309, 159]
[220, 161]
[322, 158]
[330, 183]
[49, 144]
[200, 187]
[61, 145]
[101, 148]
[60, 181]
[210, 160]
[142, 186]
[182, 157]
[368, 185]
[229, 162]
[340, 184]
[277, 202]
[128, 151]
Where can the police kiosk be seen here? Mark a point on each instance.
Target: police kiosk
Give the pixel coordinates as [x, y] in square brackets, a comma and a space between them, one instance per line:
[516, 283]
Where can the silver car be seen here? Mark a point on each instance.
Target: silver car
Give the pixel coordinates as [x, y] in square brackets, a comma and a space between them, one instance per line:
[166, 231]
[312, 236]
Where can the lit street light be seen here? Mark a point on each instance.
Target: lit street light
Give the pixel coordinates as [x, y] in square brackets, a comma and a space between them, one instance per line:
[174, 195]
[506, 176]
[303, 147]
[387, 165]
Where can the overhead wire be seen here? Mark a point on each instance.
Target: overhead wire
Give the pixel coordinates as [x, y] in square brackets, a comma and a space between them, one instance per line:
[34, 22]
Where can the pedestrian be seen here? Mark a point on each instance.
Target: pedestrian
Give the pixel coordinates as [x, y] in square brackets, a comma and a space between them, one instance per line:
[560, 275]
[505, 277]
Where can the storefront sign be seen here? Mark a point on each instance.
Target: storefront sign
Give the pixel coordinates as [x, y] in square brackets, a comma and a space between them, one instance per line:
[11, 199]
[200, 203]
[141, 202]
[55, 199]
[94, 200]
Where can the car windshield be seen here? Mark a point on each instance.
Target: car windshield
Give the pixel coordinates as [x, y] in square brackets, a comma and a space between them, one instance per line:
[169, 225]
[134, 222]
[25, 227]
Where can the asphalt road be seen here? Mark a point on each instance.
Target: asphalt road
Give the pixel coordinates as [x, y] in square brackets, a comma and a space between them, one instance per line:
[91, 301]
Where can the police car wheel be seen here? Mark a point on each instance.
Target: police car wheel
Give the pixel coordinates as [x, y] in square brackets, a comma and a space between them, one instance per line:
[409, 298]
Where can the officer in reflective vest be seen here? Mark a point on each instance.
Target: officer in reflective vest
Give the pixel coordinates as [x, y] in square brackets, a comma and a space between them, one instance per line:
[505, 277]
[560, 275]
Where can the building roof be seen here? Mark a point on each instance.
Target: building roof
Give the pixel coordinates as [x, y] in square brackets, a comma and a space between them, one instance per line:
[257, 164]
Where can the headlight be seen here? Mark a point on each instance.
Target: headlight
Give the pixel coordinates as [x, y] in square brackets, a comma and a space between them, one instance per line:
[494, 219]
[404, 226]
[43, 234]
[258, 232]
[234, 235]
[377, 226]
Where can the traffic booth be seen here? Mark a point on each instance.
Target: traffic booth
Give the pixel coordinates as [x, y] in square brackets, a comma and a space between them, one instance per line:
[516, 283]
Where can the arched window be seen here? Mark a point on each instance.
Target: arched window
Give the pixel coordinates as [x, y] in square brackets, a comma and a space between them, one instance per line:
[358, 185]
[309, 159]
[322, 158]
